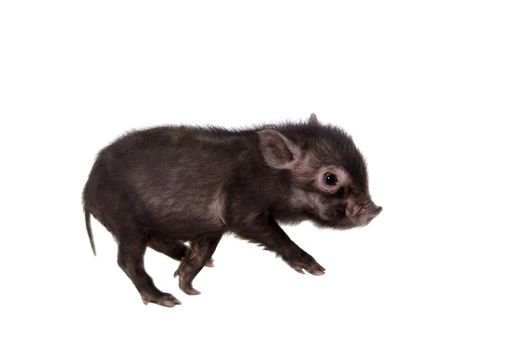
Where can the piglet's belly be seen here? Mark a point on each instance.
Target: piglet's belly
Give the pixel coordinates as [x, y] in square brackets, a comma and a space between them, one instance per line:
[185, 218]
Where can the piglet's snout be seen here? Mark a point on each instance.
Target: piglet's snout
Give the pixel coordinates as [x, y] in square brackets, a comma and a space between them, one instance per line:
[362, 214]
[370, 213]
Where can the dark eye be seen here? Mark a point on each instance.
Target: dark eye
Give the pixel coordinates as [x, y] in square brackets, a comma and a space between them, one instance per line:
[330, 179]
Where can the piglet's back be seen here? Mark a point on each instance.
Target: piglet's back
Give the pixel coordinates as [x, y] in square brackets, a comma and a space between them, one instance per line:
[169, 171]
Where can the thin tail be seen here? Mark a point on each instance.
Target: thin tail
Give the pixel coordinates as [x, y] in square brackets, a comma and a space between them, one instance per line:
[88, 228]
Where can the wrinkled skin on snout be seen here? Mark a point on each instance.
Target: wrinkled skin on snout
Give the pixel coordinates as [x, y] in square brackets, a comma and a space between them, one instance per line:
[178, 189]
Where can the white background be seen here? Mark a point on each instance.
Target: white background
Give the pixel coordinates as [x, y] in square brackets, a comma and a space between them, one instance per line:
[432, 92]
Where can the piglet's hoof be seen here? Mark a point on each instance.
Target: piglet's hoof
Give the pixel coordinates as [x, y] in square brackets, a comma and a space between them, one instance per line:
[188, 289]
[165, 299]
[317, 271]
[313, 268]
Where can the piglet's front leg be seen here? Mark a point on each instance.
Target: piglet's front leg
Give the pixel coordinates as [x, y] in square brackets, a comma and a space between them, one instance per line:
[273, 238]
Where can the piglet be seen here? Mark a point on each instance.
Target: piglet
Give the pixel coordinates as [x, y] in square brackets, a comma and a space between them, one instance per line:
[164, 186]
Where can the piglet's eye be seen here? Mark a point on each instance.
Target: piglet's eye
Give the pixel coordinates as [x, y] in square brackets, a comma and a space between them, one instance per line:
[330, 179]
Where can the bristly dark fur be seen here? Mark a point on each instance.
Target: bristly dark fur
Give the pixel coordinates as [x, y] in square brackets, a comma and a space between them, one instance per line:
[164, 186]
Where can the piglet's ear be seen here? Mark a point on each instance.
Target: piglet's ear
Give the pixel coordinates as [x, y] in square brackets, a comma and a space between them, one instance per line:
[313, 120]
[278, 151]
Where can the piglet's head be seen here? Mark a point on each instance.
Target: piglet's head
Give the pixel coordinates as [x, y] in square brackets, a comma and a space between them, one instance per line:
[328, 175]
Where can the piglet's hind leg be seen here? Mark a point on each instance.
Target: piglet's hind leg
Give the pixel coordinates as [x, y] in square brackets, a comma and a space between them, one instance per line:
[199, 255]
[176, 250]
[131, 260]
